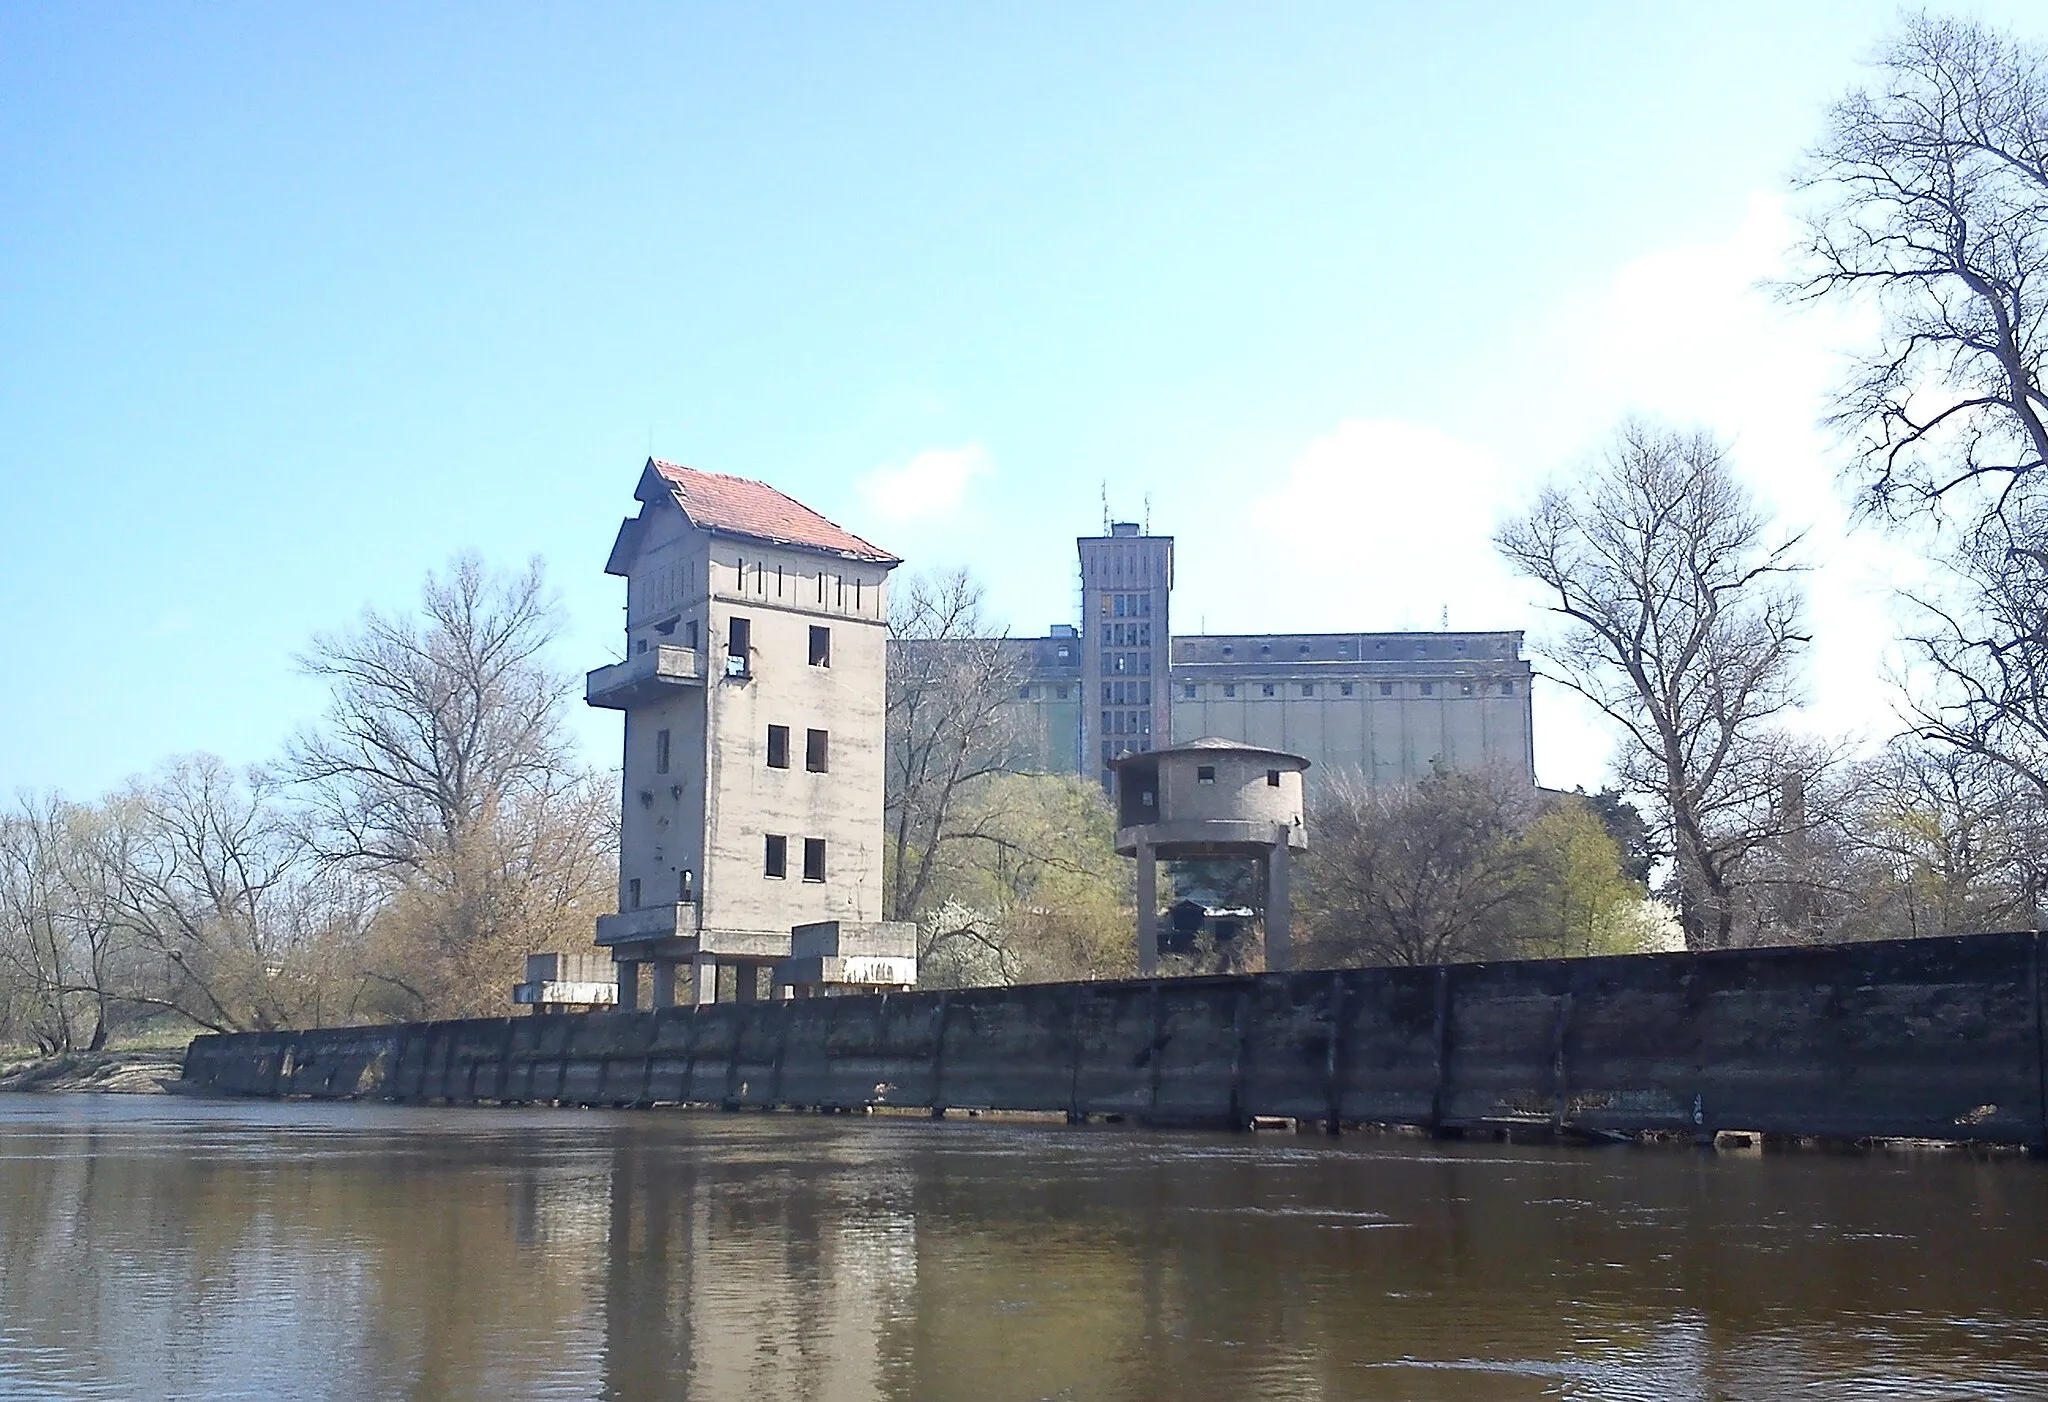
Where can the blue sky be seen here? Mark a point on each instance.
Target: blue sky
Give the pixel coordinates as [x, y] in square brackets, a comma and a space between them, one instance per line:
[296, 302]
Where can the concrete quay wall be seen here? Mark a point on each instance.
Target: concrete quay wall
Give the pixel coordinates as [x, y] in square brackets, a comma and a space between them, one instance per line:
[1934, 1038]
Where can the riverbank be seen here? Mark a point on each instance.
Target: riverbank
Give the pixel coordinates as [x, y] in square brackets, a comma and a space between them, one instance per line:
[114, 1072]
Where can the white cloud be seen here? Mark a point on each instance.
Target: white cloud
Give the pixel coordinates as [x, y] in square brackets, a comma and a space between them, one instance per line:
[1383, 523]
[930, 486]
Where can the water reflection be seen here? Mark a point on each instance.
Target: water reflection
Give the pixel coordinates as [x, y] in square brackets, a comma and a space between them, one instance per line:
[171, 1249]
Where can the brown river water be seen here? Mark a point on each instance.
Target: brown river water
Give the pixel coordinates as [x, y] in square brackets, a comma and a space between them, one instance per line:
[160, 1248]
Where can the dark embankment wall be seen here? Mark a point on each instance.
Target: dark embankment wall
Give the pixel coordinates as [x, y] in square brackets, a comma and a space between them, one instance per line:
[1937, 1038]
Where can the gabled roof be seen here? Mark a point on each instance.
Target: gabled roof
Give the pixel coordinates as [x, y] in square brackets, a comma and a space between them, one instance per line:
[735, 506]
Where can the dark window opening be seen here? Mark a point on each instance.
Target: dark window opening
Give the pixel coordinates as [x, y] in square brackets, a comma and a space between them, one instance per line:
[1187, 693]
[1507, 688]
[814, 859]
[821, 646]
[661, 752]
[1429, 688]
[778, 747]
[1230, 689]
[1308, 689]
[633, 893]
[667, 628]
[738, 647]
[1205, 774]
[775, 861]
[1386, 688]
[1023, 693]
[1345, 689]
[1266, 690]
[1272, 778]
[693, 635]
[815, 743]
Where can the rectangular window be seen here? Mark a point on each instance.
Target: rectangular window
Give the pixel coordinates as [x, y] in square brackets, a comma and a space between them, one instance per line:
[1060, 692]
[1266, 689]
[633, 894]
[814, 859]
[1507, 688]
[1345, 688]
[738, 646]
[778, 581]
[778, 747]
[1187, 693]
[661, 752]
[1205, 774]
[1272, 778]
[1386, 688]
[1119, 604]
[1023, 693]
[775, 859]
[1308, 689]
[816, 744]
[1429, 688]
[821, 646]
[693, 635]
[1230, 689]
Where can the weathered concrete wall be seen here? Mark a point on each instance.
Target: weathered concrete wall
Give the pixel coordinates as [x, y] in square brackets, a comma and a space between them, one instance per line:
[1939, 1038]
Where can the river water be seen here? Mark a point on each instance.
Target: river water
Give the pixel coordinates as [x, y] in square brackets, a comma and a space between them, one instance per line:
[157, 1248]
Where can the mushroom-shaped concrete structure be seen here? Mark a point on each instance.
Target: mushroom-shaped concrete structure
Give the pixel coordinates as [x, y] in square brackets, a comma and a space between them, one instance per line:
[1211, 798]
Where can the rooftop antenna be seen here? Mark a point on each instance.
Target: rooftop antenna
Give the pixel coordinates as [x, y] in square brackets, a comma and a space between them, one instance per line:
[1105, 506]
[1447, 618]
[1148, 513]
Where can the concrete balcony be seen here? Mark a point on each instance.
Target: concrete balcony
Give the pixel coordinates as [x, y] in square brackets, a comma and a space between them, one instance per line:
[649, 922]
[644, 677]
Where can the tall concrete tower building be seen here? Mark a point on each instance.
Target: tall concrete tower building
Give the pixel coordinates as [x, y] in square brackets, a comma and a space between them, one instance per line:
[1126, 582]
[753, 698]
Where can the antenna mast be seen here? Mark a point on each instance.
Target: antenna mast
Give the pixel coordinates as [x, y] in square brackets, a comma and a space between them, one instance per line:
[1105, 506]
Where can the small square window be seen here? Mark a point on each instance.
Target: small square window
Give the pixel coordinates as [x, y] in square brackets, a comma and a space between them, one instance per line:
[1266, 689]
[775, 859]
[1187, 693]
[821, 646]
[1205, 774]
[1060, 692]
[814, 859]
[1346, 688]
[1507, 688]
[1023, 693]
[778, 747]
[1386, 688]
[1308, 689]
[1272, 778]
[1230, 689]
[1228, 649]
[816, 747]
[1429, 688]
[1464, 688]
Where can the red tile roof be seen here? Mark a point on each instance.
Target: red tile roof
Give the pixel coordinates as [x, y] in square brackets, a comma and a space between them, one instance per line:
[737, 506]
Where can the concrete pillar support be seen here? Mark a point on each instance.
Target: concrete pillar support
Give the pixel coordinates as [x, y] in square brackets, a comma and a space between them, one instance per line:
[1148, 911]
[664, 983]
[704, 979]
[1279, 910]
[629, 985]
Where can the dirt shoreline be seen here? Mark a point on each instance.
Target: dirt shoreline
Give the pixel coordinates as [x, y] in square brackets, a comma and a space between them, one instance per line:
[115, 1073]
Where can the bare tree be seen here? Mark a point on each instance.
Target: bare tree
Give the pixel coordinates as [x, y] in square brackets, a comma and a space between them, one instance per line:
[443, 769]
[1932, 188]
[1682, 624]
[1931, 205]
[1423, 873]
[56, 952]
[434, 721]
[950, 725]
